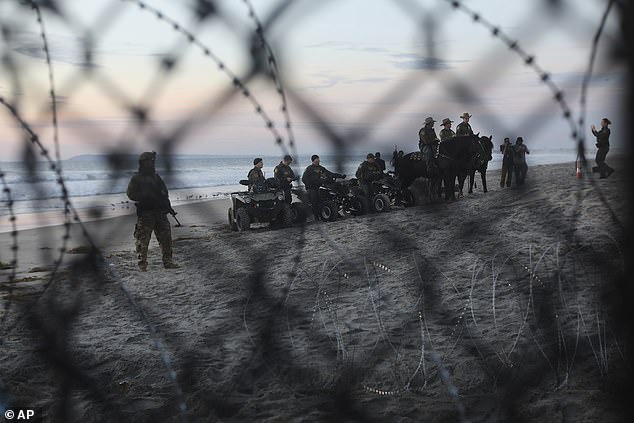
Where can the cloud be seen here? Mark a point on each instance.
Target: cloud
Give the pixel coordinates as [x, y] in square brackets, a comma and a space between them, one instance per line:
[400, 60]
[67, 50]
[417, 62]
[71, 50]
[325, 81]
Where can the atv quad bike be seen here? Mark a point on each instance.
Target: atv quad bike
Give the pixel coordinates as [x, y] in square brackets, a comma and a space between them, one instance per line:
[263, 203]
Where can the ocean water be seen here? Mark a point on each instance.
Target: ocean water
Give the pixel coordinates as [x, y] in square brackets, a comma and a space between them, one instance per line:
[92, 182]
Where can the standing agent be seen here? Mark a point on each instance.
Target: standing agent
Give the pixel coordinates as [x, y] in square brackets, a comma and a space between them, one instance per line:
[427, 139]
[379, 161]
[314, 176]
[463, 127]
[519, 160]
[152, 201]
[603, 145]
[446, 132]
[507, 163]
[285, 175]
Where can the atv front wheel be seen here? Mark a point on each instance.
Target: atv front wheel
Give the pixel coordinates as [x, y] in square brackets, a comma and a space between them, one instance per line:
[286, 216]
[380, 203]
[232, 223]
[359, 206]
[299, 212]
[328, 211]
[243, 220]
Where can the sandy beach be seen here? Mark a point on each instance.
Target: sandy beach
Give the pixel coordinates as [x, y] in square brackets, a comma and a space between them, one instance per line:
[505, 306]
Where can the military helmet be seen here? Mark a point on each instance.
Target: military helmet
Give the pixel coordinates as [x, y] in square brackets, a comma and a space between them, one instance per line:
[429, 120]
[148, 155]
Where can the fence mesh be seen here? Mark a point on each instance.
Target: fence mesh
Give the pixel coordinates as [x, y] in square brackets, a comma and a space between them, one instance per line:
[308, 325]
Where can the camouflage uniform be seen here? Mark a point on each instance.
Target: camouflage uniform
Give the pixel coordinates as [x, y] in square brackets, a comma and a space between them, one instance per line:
[603, 145]
[255, 177]
[463, 129]
[366, 173]
[446, 133]
[150, 193]
[427, 138]
[283, 173]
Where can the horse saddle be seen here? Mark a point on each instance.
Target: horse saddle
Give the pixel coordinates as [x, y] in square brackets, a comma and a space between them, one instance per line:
[416, 156]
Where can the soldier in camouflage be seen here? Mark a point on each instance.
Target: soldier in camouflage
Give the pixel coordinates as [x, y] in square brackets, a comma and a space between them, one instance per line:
[603, 146]
[427, 140]
[446, 132]
[285, 175]
[463, 127]
[313, 177]
[255, 176]
[152, 201]
[368, 172]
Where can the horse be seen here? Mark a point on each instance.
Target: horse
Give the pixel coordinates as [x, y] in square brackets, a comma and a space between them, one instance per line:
[455, 158]
[411, 166]
[482, 155]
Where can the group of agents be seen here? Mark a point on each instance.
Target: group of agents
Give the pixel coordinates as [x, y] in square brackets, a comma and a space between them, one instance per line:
[149, 192]
[513, 160]
[315, 175]
[427, 139]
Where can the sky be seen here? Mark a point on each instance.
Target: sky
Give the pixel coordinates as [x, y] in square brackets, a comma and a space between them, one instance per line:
[375, 69]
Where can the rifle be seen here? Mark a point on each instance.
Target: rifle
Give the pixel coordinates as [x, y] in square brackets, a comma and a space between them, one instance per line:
[173, 213]
[167, 205]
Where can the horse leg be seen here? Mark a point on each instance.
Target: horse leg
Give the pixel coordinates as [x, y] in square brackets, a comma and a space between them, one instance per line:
[471, 181]
[483, 174]
[450, 182]
[461, 179]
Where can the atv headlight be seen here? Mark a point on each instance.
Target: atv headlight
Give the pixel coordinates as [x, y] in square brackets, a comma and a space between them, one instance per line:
[385, 186]
[280, 196]
[247, 200]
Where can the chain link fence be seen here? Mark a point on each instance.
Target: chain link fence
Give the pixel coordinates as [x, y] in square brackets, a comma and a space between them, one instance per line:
[293, 354]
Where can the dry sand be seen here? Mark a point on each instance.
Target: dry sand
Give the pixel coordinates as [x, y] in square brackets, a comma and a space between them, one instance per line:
[502, 306]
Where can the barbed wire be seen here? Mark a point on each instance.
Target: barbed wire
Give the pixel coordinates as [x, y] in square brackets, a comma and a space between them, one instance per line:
[326, 305]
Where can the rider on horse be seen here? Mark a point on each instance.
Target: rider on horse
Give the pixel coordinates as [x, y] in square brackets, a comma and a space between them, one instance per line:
[427, 142]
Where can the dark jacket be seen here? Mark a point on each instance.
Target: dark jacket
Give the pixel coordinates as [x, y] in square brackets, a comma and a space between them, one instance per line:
[315, 175]
[368, 172]
[255, 176]
[426, 136]
[380, 163]
[282, 173]
[519, 154]
[149, 191]
[463, 129]
[507, 151]
[603, 137]
[446, 133]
